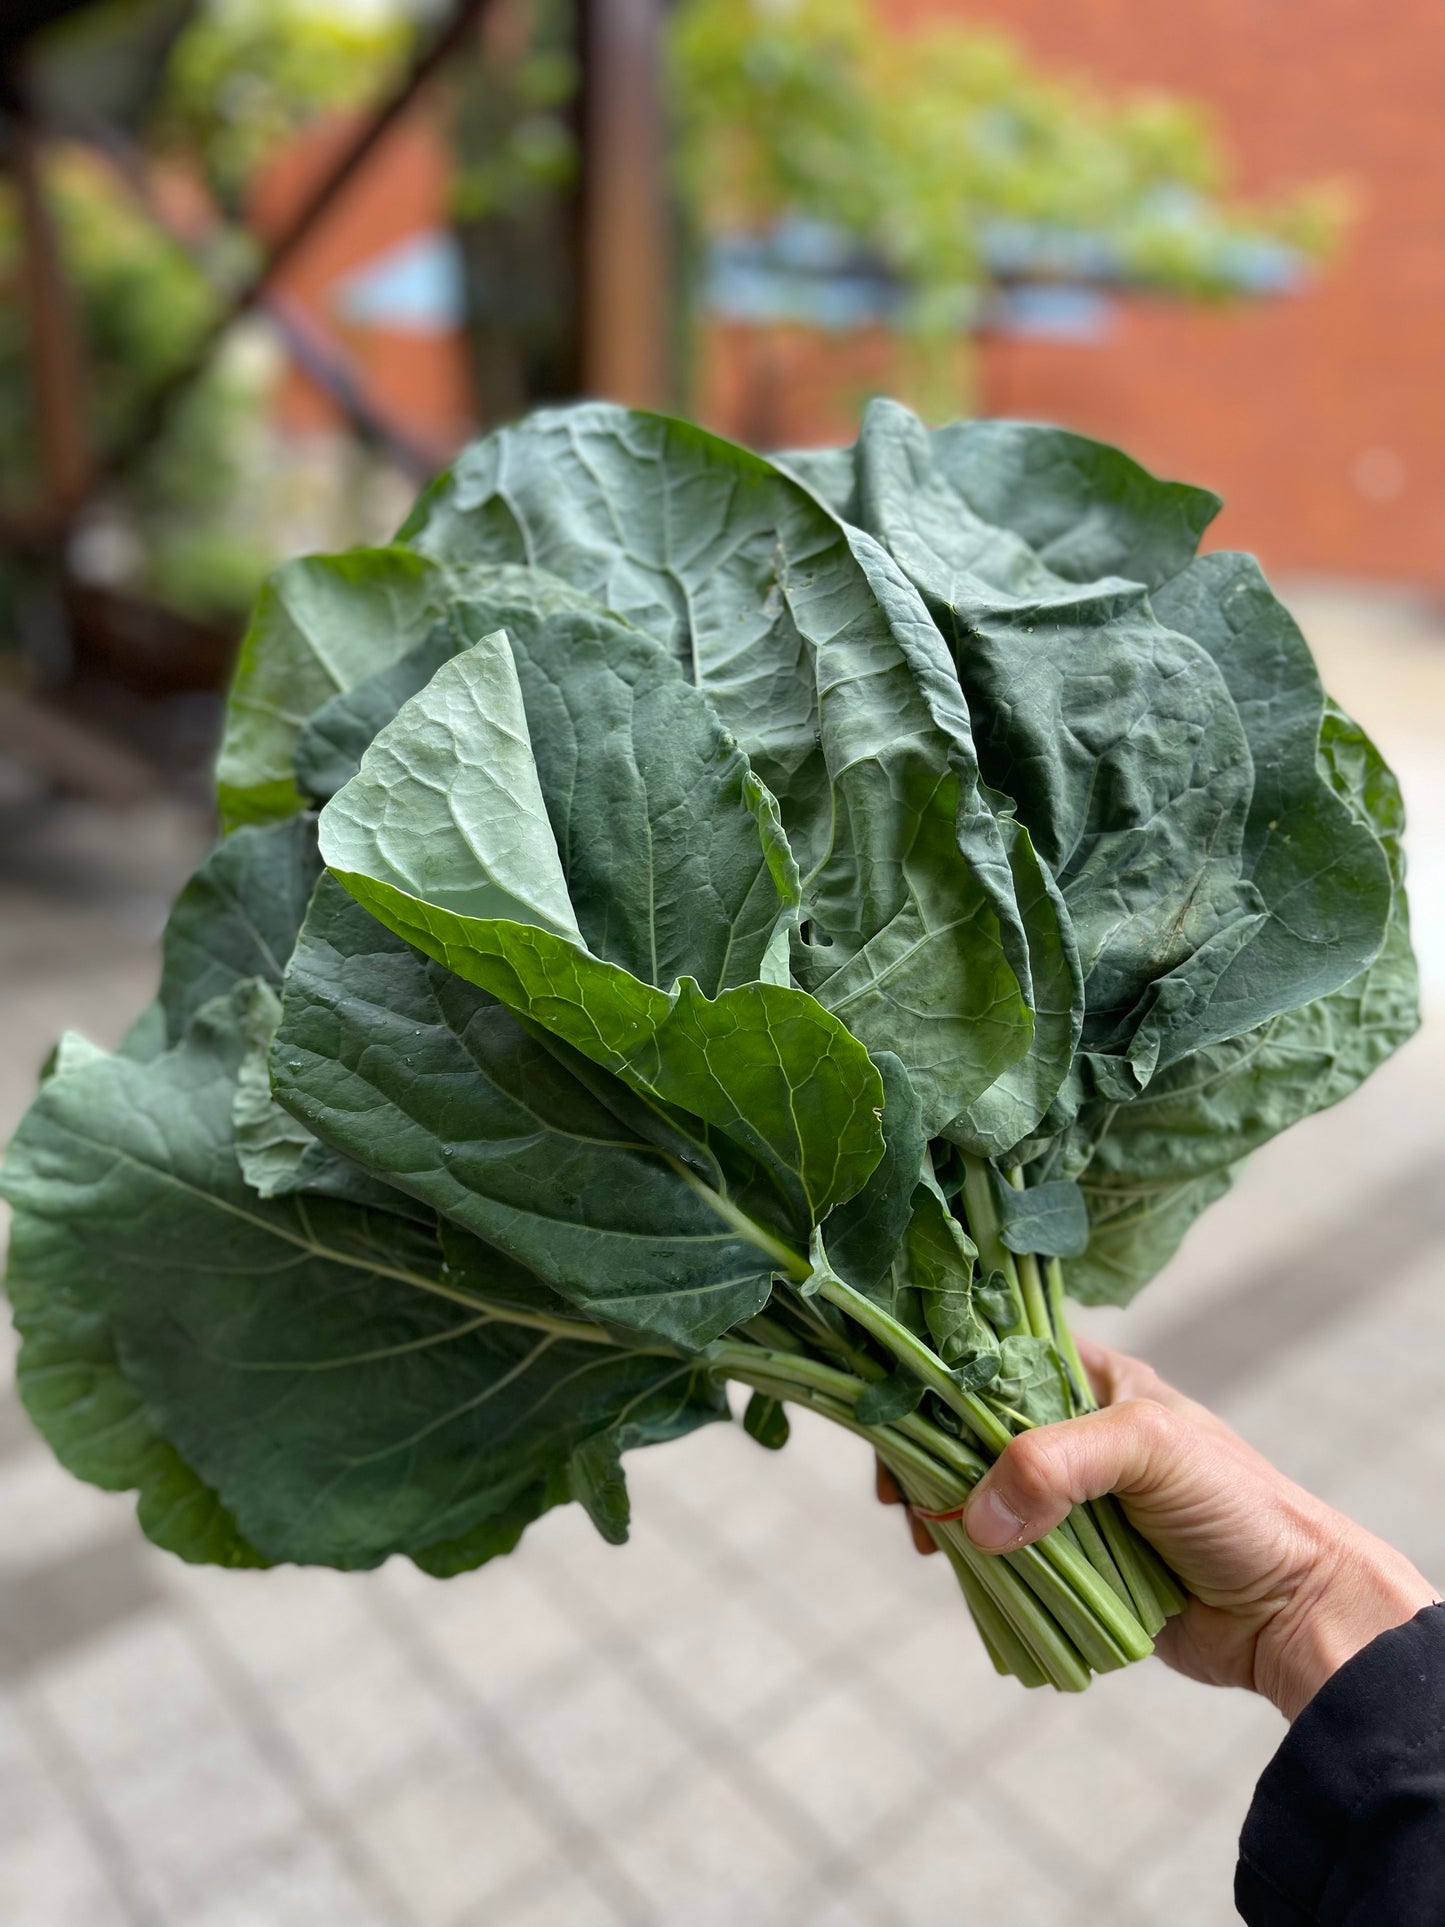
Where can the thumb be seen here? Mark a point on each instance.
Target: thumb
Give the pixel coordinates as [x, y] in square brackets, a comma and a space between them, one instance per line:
[1132, 1447]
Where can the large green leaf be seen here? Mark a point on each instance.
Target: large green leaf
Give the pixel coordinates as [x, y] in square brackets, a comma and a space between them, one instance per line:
[1156, 1162]
[1086, 510]
[89, 1412]
[336, 1386]
[423, 838]
[1320, 873]
[864, 1233]
[673, 856]
[447, 805]
[336, 736]
[1115, 738]
[1020, 1097]
[237, 918]
[424, 1079]
[824, 663]
[322, 624]
[332, 741]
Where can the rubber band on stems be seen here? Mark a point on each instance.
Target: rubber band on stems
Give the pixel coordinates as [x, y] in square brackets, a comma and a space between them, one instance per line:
[939, 1518]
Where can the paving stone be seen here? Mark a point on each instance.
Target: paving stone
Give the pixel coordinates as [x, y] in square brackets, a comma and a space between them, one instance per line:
[703, 1855]
[600, 1743]
[305, 1883]
[51, 1877]
[283, 1624]
[49, 1515]
[845, 1763]
[190, 1811]
[136, 1689]
[957, 1863]
[452, 1836]
[736, 1664]
[362, 1717]
[1084, 1789]
[1187, 1877]
[563, 1898]
[29, 1795]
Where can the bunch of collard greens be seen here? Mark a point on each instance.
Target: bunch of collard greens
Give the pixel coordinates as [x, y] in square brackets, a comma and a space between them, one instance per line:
[687, 917]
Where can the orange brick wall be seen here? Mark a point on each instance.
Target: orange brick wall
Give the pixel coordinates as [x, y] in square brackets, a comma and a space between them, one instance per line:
[1319, 417]
[419, 381]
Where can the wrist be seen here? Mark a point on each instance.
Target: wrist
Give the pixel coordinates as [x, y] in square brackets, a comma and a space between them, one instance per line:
[1356, 1589]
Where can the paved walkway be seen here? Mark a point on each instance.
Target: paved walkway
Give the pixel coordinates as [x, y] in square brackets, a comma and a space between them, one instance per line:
[765, 1709]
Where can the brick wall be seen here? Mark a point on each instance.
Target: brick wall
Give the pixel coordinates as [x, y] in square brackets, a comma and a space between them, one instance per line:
[1320, 417]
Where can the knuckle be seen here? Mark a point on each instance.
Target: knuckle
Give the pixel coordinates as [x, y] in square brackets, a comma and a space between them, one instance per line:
[1036, 1466]
[1154, 1425]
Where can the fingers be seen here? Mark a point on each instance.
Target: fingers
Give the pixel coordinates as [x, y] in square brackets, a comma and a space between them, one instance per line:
[1116, 1376]
[1128, 1447]
[888, 1493]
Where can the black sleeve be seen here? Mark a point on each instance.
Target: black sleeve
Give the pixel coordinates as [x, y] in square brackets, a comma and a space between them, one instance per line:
[1347, 1826]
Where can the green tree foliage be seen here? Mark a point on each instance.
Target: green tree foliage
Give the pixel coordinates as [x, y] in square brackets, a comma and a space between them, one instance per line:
[912, 144]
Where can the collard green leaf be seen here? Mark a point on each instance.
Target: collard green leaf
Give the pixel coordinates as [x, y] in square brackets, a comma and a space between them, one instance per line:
[270, 1143]
[428, 1082]
[1048, 1218]
[766, 1420]
[671, 530]
[673, 854]
[476, 602]
[1115, 739]
[1321, 875]
[237, 918]
[599, 1485]
[1157, 1162]
[940, 1259]
[423, 839]
[1085, 509]
[90, 1413]
[864, 1232]
[275, 1151]
[1031, 1381]
[830, 474]
[822, 661]
[500, 1532]
[447, 807]
[322, 625]
[1135, 1228]
[889, 1398]
[916, 943]
[1020, 1097]
[304, 1356]
[332, 741]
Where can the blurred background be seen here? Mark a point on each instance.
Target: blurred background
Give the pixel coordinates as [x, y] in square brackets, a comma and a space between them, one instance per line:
[264, 265]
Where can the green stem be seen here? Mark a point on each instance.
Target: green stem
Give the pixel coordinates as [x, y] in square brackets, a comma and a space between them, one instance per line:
[1001, 1642]
[1048, 1646]
[919, 1359]
[1097, 1625]
[1064, 1338]
[1095, 1548]
[772, 1335]
[1036, 1305]
[1151, 1587]
[983, 1220]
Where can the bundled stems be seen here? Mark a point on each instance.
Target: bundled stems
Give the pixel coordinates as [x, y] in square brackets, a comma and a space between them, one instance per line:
[1086, 1598]
[1069, 1612]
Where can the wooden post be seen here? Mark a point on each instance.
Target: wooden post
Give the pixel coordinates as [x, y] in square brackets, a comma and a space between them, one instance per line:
[55, 352]
[626, 284]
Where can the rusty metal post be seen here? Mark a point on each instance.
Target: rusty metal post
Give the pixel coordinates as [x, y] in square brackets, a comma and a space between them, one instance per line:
[626, 279]
[55, 352]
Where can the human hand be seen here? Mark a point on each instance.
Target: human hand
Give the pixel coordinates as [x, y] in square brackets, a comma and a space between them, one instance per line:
[1283, 1588]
